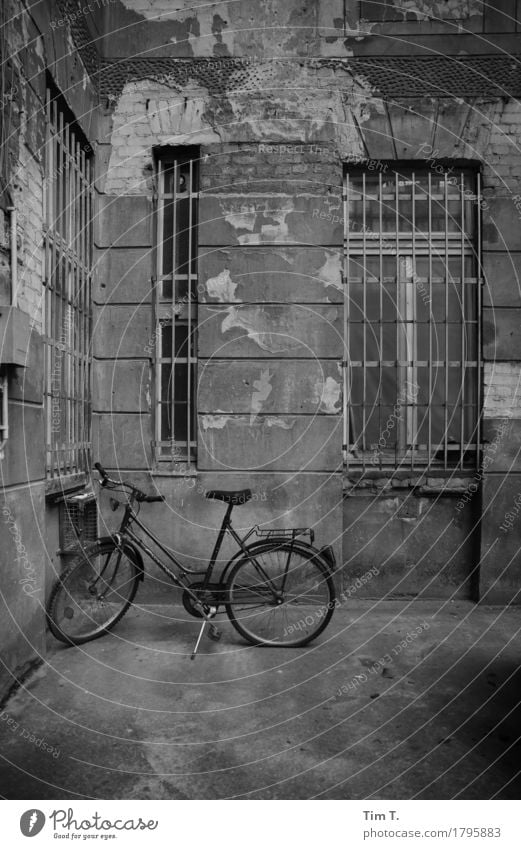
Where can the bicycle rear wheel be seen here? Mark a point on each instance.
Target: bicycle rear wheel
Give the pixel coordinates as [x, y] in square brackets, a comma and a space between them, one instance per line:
[280, 595]
[92, 594]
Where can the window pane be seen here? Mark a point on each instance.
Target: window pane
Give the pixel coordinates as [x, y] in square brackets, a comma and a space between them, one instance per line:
[181, 340]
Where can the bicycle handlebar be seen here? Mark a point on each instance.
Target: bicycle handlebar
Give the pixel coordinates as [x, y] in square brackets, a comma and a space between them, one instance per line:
[140, 496]
[104, 475]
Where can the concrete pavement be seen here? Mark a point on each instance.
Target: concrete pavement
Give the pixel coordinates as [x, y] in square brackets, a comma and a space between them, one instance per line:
[397, 699]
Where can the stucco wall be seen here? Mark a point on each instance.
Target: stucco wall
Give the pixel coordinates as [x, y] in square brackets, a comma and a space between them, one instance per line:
[28, 539]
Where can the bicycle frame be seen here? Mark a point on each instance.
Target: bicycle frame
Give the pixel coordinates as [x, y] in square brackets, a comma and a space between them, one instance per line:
[249, 584]
[125, 531]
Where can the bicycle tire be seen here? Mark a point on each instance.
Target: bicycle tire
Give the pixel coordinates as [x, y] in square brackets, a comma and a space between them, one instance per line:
[260, 616]
[78, 611]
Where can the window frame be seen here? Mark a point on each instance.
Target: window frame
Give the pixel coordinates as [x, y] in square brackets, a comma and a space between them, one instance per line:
[67, 293]
[4, 410]
[367, 244]
[172, 454]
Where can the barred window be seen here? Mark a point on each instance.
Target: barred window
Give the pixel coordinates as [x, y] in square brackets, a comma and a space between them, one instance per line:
[176, 307]
[412, 330]
[4, 428]
[67, 292]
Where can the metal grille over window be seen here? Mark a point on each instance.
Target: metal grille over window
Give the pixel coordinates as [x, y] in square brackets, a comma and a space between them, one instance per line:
[412, 308]
[4, 428]
[176, 308]
[67, 292]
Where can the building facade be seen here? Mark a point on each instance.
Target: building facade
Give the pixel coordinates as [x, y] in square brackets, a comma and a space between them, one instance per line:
[273, 245]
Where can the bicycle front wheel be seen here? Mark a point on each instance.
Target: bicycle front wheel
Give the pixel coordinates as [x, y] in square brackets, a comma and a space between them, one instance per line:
[92, 594]
[280, 595]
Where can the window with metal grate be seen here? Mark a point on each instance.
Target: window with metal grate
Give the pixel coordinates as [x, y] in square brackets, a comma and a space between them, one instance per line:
[412, 316]
[4, 426]
[67, 292]
[176, 307]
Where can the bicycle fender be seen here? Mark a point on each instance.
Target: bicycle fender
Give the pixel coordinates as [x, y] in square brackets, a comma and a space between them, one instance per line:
[325, 554]
[328, 554]
[130, 549]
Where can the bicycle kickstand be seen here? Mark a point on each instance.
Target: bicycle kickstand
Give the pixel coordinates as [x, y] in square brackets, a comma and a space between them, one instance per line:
[214, 632]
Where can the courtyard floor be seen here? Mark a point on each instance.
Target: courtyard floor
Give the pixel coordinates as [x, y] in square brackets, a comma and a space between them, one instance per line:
[396, 700]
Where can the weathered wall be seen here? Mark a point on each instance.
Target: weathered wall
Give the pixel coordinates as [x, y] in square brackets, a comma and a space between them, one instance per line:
[488, 131]
[274, 135]
[180, 28]
[28, 552]
[315, 84]
[269, 316]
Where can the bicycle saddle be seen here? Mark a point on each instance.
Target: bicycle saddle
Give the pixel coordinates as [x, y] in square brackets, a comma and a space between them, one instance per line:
[237, 496]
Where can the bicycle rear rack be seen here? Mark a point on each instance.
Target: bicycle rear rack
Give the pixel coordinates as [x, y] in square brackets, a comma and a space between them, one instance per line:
[285, 533]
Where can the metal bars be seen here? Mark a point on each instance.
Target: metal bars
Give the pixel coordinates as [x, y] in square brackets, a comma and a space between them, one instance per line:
[4, 413]
[412, 317]
[176, 308]
[67, 294]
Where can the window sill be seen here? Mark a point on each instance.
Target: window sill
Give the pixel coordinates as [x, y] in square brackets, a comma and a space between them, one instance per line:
[190, 472]
[429, 484]
[56, 487]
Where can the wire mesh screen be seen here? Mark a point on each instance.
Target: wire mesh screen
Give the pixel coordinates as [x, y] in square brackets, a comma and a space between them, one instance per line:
[78, 523]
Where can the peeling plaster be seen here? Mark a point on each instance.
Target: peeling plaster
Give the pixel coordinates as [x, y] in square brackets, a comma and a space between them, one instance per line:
[252, 319]
[324, 109]
[214, 422]
[220, 422]
[160, 10]
[222, 287]
[238, 27]
[441, 9]
[263, 390]
[331, 273]
[243, 219]
[246, 218]
[330, 401]
[328, 105]
[284, 422]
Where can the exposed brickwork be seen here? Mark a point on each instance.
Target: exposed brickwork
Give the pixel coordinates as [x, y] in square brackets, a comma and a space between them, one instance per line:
[28, 199]
[268, 168]
[502, 390]
[503, 152]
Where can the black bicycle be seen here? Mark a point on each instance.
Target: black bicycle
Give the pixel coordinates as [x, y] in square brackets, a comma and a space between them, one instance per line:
[277, 591]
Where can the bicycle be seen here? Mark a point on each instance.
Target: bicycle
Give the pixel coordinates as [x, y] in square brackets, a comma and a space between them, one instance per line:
[267, 588]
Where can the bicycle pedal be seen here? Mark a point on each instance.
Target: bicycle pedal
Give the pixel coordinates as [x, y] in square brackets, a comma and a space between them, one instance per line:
[214, 633]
